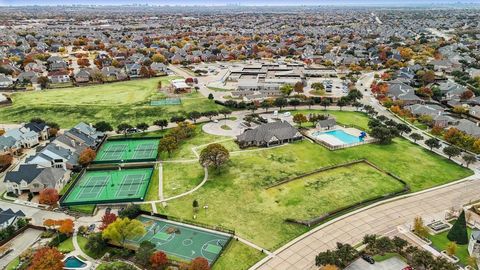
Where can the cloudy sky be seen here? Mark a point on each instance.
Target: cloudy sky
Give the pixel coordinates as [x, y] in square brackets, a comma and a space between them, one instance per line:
[224, 2]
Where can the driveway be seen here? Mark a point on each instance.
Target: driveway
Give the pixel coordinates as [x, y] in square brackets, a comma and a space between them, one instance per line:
[390, 264]
[20, 244]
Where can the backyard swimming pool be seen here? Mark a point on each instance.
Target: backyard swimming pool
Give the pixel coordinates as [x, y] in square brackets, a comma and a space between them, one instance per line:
[73, 262]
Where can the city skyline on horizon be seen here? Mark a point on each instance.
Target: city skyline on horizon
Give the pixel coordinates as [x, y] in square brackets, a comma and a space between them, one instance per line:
[236, 2]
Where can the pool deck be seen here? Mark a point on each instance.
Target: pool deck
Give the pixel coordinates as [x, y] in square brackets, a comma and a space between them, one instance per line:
[333, 142]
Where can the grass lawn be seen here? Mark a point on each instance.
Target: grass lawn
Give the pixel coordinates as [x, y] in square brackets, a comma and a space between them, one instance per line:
[66, 246]
[381, 258]
[237, 199]
[118, 102]
[181, 177]
[358, 119]
[440, 242]
[304, 198]
[115, 265]
[13, 264]
[239, 255]
[85, 209]
[152, 192]
[200, 139]
[82, 242]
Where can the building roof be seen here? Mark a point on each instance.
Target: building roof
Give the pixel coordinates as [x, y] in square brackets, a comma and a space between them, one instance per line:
[266, 132]
[6, 215]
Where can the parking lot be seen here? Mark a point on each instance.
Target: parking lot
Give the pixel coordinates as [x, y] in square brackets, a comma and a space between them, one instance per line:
[390, 264]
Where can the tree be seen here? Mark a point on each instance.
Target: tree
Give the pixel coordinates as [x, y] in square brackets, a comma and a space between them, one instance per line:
[341, 257]
[451, 249]
[142, 126]
[265, 105]
[458, 233]
[433, 143]
[416, 137]
[286, 89]
[299, 119]
[122, 229]
[158, 260]
[199, 263]
[280, 102]
[43, 81]
[194, 115]
[403, 128]
[103, 126]
[95, 243]
[195, 206]
[158, 58]
[162, 123]
[419, 228]
[383, 134]
[131, 211]
[298, 87]
[107, 219]
[225, 112]
[342, 103]
[469, 159]
[210, 114]
[5, 160]
[66, 226]
[123, 128]
[325, 103]
[468, 94]
[48, 196]
[210, 96]
[452, 151]
[87, 156]
[168, 144]
[384, 245]
[214, 155]
[294, 103]
[145, 252]
[47, 258]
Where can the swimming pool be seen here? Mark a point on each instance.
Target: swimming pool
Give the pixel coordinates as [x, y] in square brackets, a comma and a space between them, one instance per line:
[73, 262]
[336, 137]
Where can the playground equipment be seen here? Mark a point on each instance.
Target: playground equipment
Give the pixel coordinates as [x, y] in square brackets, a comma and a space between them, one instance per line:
[362, 135]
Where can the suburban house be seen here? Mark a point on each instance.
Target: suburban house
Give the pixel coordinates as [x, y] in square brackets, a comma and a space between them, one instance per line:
[436, 112]
[403, 92]
[451, 90]
[24, 137]
[40, 128]
[159, 68]
[86, 135]
[180, 86]
[8, 145]
[468, 127]
[274, 133]
[9, 217]
[83, 75]
[474, 244]
[55, 156]
[32, 178]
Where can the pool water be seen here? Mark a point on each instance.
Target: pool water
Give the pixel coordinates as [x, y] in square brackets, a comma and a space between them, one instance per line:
[73, 262]
[340, 135]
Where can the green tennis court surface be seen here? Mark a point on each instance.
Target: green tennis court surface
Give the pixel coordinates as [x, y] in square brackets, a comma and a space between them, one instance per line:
[106, 186]
[166, 101]
[182, 241]
[127, 150]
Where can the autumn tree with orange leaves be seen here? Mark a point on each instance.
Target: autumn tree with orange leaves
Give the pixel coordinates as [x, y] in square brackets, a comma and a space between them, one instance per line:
[47, 258]
[48, 196]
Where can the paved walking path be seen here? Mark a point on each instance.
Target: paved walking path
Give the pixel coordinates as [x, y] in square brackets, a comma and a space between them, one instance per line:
[78, 250]
[380, 218]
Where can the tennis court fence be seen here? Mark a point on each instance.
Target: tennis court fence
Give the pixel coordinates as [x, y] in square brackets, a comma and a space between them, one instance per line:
[190, 222]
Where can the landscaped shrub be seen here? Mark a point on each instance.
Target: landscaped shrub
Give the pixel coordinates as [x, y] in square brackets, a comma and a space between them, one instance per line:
[57, 240]
[458, 233]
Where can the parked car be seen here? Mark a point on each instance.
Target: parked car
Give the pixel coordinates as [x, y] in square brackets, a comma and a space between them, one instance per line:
[368, 258]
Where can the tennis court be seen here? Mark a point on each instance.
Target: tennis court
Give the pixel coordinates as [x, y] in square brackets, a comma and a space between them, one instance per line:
[127, 150]
[166, 101]
[182, 241]
[106, 186]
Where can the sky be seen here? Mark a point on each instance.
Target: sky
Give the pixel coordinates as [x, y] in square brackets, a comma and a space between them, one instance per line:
[239, 2]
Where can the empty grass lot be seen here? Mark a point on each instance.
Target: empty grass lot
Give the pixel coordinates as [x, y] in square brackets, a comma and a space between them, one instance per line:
[303, 198]
[237, 199]
[118, 102]
[239, 255]
[181, 177]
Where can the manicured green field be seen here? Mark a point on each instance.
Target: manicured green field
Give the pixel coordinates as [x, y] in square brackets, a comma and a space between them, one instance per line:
[181, 177]
[304, 198]
[66, 246]
[239, 255]
[114, 102]
[237, 199]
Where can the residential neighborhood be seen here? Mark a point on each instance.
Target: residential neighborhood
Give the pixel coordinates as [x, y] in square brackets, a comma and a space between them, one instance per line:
[234, 136]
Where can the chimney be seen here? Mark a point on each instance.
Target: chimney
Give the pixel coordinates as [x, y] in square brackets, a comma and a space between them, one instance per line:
[73, 142]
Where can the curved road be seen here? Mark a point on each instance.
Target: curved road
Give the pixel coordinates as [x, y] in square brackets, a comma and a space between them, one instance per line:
[381, 218]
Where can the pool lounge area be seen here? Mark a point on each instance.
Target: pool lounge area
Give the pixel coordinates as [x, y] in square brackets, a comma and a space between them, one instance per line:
[340, 137]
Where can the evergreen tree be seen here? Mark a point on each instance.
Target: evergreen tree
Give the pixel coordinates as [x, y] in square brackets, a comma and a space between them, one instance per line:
[458, 233]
